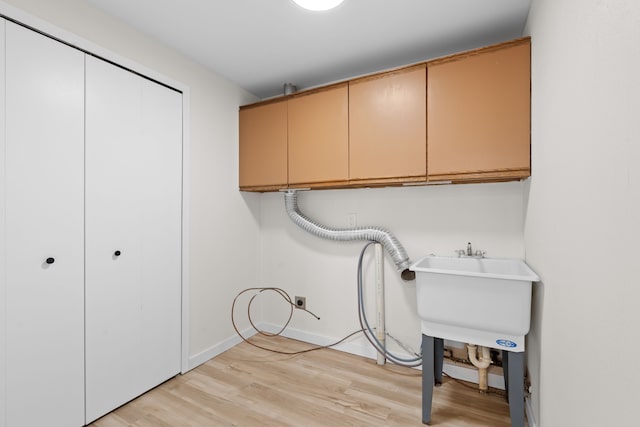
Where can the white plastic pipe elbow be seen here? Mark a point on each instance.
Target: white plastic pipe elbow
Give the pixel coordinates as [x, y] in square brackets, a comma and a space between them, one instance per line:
[485, 357]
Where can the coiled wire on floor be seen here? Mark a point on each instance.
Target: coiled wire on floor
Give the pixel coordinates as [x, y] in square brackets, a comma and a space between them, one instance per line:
[288, 299]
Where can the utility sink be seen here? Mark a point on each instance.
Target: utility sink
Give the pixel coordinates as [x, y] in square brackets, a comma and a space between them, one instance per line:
[483, 301]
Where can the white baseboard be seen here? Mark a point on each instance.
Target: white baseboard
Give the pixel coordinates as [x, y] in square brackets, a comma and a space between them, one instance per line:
[363, 349]
[463, 373]
[469, 374]
[202, 357]
[359, 349]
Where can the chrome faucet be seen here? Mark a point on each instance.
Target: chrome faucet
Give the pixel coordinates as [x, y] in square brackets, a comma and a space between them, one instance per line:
[470, 253]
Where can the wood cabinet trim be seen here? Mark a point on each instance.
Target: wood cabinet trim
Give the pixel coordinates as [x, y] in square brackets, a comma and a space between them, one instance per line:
[454, 178]
[484, 176]
[299, 94]
[261, 103]
[387, 73]
[457, 178]
[313, 91]
[478, 51]
[262, 188]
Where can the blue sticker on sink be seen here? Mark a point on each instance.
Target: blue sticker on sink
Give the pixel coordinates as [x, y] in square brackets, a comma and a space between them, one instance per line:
[506, 343]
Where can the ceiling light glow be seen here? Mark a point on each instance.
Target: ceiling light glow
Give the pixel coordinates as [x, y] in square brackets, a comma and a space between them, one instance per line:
[318, 5]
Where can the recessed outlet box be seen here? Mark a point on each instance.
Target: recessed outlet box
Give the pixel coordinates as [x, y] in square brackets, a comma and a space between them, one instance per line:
[300, 302]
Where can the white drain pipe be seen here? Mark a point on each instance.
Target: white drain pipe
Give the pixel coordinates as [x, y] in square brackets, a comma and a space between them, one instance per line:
[380, 316]
[482, 364]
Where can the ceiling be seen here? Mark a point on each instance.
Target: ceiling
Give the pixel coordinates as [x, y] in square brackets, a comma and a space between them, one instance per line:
[262, 44]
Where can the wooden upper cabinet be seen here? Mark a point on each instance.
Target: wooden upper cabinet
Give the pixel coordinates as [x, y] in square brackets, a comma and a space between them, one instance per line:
[387, 126]
[478, 114]
[461, 118]
[263, 146]
[318, 132]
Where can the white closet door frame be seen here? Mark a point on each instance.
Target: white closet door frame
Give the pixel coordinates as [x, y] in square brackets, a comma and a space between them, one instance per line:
[45, 27]
[3, 239]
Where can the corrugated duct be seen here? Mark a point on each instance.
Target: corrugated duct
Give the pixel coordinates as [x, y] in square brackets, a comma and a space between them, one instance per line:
[377, 234]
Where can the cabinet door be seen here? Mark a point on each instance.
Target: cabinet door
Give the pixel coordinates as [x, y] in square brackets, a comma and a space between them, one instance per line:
[478, 113]
[133, 235]
[263, 146]
[387, 126]
[44, 187]
[318, 128]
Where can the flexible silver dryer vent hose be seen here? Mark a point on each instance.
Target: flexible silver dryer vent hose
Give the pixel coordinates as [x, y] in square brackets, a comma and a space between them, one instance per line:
[376, 234]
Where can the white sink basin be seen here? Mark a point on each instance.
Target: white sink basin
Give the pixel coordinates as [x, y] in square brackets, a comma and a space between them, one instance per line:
[483, 301]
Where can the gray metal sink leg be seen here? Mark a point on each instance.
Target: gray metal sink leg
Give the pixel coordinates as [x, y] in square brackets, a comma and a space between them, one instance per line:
[432, 360]
[438, 355]
[427, 377]
[513, 367]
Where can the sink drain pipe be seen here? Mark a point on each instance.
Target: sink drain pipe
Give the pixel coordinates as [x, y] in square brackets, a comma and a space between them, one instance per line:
[381, 330]
[376, 234]
[482, 364]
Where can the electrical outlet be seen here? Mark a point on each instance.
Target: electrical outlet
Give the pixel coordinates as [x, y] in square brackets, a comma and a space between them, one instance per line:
[300, 302]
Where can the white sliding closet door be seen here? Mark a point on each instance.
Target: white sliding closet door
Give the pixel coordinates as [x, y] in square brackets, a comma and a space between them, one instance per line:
[43, 239]
[133, 235]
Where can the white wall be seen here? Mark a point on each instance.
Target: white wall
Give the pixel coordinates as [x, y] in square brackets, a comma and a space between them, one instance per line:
[3, 308]
[582, 227]
[433, 219]
[224, 231]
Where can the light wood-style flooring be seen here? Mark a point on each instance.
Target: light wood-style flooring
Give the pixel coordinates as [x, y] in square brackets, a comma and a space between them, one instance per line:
[246, 386]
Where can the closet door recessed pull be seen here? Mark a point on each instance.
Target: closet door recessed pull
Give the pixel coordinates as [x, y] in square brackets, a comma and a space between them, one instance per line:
[50, 260]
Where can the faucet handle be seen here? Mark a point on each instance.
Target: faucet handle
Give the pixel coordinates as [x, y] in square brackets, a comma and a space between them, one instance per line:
[460, 252]
[480, 254]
